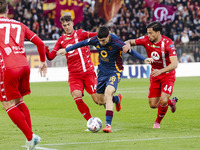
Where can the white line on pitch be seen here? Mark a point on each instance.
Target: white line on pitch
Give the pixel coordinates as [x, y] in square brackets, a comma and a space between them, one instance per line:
[114, 141]
[43, 148]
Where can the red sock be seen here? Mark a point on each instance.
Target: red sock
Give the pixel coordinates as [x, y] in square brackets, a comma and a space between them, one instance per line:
[18, 118]
[170, 102]
[161, 112]
[24, 109]
[83, 108]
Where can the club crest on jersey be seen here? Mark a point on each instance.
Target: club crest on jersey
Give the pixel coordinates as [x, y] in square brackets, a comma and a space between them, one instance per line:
[154, 46]
[110, 48]
[97, 46]
[155, 56]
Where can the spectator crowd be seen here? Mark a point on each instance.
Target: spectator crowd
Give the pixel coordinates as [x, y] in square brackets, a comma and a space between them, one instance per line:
[130, 22]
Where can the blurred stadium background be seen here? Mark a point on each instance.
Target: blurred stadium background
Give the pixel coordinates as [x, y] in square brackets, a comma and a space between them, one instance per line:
[125, 18]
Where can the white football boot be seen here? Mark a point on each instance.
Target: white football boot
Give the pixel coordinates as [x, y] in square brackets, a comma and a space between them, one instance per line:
[30, 145]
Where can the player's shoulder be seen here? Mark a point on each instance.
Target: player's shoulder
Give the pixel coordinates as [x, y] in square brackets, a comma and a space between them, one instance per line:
[116, 40]
[144, 37]
[113, 36]
[167, 40]
[63, 37]
[9, 20]
[81, 31]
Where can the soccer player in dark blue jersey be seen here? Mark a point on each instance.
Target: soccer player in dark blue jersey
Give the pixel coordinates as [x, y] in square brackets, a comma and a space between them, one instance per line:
[110, 67]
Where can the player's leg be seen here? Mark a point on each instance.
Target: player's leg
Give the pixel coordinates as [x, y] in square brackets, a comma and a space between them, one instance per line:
[109, 107]
[166, 91]
[154, 98]
[111, 87]
[82, 107]
[172, 103]
[76, 85]
[11, 84]
[17, 117]
[162, 109]
[24, 89]
[24, 109]
[154, 94]
[90, 84]
[117, 100]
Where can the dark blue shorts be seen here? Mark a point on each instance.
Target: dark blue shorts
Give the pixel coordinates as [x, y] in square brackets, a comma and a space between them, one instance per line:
[103, 80]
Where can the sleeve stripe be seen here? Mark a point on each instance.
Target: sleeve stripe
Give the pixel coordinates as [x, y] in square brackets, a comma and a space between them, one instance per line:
[32, 37]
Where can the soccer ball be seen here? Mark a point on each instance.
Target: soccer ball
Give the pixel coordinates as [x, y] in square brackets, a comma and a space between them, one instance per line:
[94, 124]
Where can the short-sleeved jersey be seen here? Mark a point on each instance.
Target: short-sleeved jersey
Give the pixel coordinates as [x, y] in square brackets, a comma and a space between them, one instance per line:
[13, 34]
[160, 51]
[110, 55]
[79, 59]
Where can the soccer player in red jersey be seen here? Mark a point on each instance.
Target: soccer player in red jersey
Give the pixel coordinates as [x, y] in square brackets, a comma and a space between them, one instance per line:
[162, 78]
[15, 71]
[80, 67]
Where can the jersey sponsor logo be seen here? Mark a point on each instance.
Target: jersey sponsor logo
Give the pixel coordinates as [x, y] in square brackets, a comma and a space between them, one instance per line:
[68, 38]
[103, 56]
[154, 46]
[155, 56]
[104, 53]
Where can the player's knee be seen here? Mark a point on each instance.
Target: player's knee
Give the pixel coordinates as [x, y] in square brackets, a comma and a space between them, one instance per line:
[153, 105]
[163, 101]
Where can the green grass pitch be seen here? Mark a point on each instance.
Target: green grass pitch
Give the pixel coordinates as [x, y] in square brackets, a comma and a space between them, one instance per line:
[58, 122]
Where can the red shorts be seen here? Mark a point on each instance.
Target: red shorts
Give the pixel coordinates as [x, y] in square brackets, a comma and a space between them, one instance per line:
[87, 80]
[14, 83]
[166, 85]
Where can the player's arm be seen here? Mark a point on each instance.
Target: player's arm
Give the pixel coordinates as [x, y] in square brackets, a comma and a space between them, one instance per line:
[128, 45]
[173, 65]
[75, 46]
[41, 50]
[139, 56]
[91, 34]
[51, 55]
[31, 36]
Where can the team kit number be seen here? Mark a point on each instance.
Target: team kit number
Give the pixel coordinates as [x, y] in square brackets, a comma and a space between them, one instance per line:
[93, 87]
[7, 34]
[112, 80]
[168, 88]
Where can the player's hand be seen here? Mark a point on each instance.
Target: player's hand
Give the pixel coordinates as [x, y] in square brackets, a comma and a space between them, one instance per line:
[148, 60]
[61, 52]
[156, 72]
[47, 48]
[43, 69]
[126, 48]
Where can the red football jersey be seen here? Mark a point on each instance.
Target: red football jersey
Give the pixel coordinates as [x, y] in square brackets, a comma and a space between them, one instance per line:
[79, 59]
[160, 51]
[13, 34]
